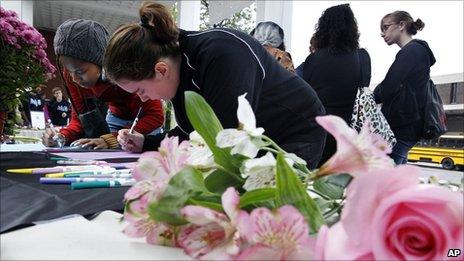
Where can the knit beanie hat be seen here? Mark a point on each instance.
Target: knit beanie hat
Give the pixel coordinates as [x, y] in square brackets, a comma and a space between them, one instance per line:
[268, 33]
[81, 39]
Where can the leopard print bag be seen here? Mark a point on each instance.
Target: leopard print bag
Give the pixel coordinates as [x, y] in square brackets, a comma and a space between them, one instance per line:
[366, 111]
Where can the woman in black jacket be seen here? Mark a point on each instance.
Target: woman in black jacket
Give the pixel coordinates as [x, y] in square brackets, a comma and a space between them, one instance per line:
[402, 92]
[333, 69]
[156, 60]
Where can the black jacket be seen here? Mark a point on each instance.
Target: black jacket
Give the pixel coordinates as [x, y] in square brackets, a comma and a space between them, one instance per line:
[222, 64]
[56, 110]
[402, 92]
[336, 78]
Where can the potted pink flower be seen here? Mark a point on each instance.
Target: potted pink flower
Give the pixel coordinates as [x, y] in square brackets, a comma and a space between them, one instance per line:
[24, 61]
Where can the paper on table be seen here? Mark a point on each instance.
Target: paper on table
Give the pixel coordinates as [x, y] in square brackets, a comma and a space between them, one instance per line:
[80, 239]
[21, 147]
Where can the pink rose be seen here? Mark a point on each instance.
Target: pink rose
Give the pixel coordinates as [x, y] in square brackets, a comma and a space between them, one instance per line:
[388, 216]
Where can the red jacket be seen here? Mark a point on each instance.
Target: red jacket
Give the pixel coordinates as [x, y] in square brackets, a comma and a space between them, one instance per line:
[122, 104]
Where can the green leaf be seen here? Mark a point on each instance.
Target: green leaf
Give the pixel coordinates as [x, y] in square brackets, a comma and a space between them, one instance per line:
[219, 181]
[326, 188]
[290, 190]
[185, 184]
[256, 196]
[205, 122]
[212, 202]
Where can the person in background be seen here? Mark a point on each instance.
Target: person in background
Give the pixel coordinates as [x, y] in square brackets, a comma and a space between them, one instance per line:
[334, 68]
[402, 92]
[79, 45]
[157, 60]
[58, 108]
[312, 49]
[271, 36]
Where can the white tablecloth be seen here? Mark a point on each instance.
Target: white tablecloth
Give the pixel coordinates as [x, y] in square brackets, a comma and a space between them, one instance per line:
[77, 238]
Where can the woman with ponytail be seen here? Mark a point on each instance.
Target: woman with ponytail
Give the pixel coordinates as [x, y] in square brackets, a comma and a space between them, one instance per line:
[80, 45]
[402, 92]
[157, 60]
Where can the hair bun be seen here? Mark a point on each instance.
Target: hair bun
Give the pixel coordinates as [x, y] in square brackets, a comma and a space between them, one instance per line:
[419, 24]
[158, 17]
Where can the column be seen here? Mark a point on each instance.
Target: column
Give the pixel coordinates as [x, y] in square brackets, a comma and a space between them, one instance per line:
[24, 9]
[189, 14]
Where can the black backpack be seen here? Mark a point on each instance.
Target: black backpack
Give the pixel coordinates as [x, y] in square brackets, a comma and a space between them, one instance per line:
[434, 113]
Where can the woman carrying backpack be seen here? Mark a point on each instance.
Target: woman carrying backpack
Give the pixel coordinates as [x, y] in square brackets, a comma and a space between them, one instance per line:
[402, 92]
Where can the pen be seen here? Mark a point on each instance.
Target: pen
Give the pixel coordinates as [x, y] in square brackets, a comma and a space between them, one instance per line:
[102, 184]
[97, 173]
[55, 137]
[80, 162]
[55, 169]
[73, 180]
[135, 121]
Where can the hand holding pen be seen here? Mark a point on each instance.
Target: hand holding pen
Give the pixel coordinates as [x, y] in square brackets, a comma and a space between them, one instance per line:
[51, 137]
[129, 139]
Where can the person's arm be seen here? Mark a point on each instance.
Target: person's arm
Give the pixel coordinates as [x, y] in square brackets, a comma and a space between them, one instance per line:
[399, 70]
[74, 129]
[151, 117]
[366, 65]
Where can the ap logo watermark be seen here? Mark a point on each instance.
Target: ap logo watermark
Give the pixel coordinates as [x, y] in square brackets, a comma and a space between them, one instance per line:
[454, 252]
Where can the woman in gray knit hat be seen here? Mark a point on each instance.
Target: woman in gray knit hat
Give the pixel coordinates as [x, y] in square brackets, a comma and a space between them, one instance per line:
[79, 45]
[271, 36]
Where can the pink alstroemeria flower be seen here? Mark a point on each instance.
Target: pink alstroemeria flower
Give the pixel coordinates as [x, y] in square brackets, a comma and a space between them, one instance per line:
[137, 199]
[213, 235]
[160, 165]
[279, 235]
[356, 153]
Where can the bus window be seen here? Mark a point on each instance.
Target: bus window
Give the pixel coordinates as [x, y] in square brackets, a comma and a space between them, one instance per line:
[460, 143]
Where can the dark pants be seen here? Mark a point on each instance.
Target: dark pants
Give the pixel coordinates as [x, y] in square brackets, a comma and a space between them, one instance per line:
[400, 151]
[311, 150]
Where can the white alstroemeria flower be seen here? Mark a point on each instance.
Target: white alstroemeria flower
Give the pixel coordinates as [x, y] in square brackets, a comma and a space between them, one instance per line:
[200, 156]
[241, 139]
[259, 172]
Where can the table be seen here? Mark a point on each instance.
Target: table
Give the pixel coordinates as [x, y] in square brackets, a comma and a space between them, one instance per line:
[77, 238]
[23, 200]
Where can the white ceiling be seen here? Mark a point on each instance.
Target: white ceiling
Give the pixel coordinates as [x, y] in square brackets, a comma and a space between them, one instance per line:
[50, 14]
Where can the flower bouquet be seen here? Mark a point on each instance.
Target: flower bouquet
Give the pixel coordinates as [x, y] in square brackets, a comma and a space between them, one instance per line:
[24, 60]
[235, 194]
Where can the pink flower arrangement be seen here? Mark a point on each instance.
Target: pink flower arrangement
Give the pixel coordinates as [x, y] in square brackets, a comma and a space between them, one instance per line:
[153, 173]
[282, 234]
[389, 216]
[386, 214]
[22, 49]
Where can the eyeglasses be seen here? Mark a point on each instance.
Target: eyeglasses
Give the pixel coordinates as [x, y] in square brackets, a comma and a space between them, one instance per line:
[385, 27]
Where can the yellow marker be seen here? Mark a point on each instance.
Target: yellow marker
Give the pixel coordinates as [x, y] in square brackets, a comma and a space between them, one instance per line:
[20, 171]
[55, 175]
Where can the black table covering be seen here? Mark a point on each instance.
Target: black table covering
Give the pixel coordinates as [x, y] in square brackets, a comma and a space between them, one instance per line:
[24, 200]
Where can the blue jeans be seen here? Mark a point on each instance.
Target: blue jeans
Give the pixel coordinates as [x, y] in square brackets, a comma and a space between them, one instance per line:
[400, 151]
[115, 123]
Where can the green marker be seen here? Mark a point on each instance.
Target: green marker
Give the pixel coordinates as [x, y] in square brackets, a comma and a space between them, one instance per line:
[103, 184]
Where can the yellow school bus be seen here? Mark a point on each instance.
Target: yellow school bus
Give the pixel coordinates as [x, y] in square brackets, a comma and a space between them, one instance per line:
[447, 150]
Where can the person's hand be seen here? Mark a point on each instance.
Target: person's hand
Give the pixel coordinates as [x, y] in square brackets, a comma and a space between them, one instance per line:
[63, 115]
[132, 142]
[47, 137]
[96, 143]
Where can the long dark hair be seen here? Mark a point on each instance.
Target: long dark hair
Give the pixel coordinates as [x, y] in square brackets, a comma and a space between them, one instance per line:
[134, 48]
[403, 16]
[337, 30]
